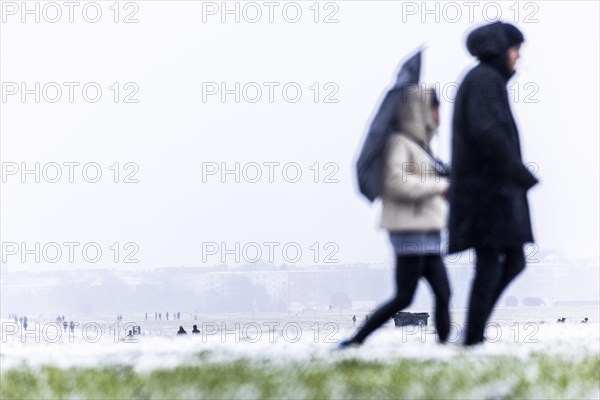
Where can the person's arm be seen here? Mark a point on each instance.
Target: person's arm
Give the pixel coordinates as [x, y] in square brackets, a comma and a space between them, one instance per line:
[403, 178]
[491, 127]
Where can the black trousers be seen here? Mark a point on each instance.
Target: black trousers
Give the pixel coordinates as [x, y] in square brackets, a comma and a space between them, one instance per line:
[408, 271]
[494, 271]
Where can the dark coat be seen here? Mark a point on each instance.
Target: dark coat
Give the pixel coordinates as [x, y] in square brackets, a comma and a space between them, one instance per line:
[488, 194]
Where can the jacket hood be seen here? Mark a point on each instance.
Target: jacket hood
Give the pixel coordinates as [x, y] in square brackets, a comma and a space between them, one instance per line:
[414, 114]
[490, 44]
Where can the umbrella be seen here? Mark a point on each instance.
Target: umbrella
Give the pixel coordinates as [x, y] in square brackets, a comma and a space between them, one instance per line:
[370, 161]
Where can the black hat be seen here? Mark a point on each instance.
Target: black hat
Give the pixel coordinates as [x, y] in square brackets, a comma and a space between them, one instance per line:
[513, 35]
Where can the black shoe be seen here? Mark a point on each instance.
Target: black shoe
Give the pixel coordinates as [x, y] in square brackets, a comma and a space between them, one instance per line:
[346, 344]
[472, 342]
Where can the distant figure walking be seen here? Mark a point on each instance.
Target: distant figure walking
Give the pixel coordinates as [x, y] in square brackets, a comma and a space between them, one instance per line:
[354, 320]
[181, 331]
[488, 197]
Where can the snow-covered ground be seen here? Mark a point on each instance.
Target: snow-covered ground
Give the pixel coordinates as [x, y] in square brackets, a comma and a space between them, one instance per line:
[282, 338]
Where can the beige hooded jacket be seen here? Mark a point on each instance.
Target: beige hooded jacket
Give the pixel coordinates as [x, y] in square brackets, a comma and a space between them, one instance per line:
[412, 192]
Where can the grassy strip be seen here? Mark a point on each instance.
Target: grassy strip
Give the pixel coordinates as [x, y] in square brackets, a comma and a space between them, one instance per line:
[538, 376]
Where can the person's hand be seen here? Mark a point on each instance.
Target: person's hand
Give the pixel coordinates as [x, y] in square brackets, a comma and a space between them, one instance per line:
[446, 193]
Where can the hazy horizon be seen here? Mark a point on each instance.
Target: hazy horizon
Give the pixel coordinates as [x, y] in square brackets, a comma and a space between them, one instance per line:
[177, 133]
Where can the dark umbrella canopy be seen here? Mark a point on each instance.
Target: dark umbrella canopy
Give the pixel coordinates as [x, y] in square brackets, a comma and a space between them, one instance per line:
[370, 161]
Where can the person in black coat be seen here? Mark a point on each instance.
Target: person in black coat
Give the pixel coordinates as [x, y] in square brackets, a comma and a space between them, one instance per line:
[489, 182]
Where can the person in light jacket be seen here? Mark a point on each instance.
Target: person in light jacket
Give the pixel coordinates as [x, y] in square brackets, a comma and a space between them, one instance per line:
[414, 212]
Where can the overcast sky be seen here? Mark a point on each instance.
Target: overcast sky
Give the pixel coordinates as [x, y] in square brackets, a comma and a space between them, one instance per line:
[173, 62]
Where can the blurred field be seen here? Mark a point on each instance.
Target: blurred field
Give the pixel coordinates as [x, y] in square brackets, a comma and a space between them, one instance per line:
[529, 356]
[462, 377]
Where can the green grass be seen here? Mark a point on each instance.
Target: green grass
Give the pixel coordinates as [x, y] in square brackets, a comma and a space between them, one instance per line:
[536, 376]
